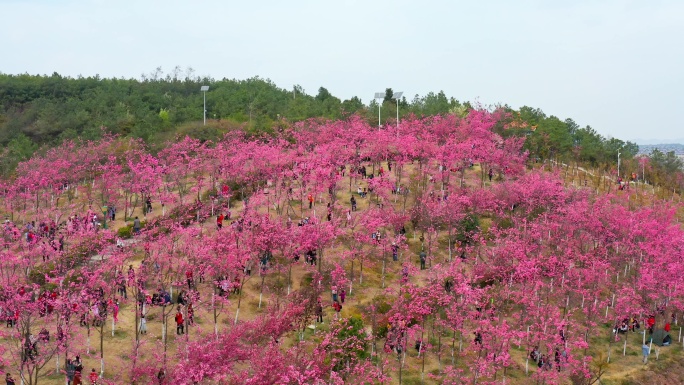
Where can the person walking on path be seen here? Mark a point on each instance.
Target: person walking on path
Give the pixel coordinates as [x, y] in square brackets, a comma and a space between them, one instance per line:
[78, 369]
[115, 311]
[190, 278]
[179, 323]
[131, 276]
[148, 205]
[343, 295]
[70, 371]
[136, 226]
[143, 324]
[338, 309]
[319, 312]
[645, 350]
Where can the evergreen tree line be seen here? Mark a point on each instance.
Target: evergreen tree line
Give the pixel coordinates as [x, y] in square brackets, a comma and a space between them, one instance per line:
[38, 110]
[549, 137]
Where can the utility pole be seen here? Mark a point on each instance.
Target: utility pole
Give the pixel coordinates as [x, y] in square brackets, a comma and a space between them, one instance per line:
[618, 163]
[380, 96]
[204, 90]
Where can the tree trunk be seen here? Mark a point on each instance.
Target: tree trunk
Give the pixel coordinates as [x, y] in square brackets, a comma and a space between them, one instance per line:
[261, 290]
[102, 326]
[237, 312]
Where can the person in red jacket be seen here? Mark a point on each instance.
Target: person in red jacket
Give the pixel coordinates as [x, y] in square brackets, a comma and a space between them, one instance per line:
[190, 278]
[93, 376]
[311, 200]
[179, 323]
[338, 308]
[219, 221]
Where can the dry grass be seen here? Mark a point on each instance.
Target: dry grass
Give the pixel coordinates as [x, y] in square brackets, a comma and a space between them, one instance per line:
[622, 369]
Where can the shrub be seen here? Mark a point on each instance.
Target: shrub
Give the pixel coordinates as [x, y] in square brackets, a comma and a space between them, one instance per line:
[381, 330]
[467, 228]
[352, 342]
[307, 279]
[206, 196]
[126, 232]
[37, 275]
[382, 306]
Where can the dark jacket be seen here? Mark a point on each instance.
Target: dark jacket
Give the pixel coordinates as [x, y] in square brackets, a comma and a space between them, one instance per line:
[70, 371]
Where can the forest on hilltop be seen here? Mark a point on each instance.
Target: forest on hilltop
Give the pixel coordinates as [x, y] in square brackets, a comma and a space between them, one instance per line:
[38, 111]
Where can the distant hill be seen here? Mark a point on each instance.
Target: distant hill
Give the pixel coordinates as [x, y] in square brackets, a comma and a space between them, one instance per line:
[665, 148]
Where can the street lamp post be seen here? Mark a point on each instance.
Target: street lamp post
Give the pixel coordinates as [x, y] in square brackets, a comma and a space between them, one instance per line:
[618, 163]
[397, 96]
[381, 96]
[643, 172]
[204, 89]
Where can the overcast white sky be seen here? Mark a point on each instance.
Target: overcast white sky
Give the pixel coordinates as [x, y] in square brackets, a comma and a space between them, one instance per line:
[615, 65]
